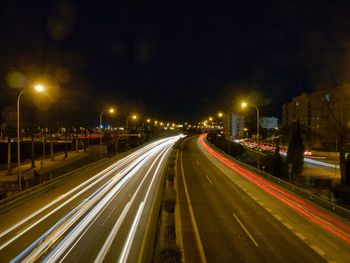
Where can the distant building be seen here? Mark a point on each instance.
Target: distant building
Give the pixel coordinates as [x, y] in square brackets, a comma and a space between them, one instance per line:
[268, 122]
[315, 112]
[234, 126]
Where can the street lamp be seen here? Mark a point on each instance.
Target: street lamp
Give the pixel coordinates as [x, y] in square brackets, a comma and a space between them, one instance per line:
[38, 88]
[110, 110]
[244, 105]
[134, 117]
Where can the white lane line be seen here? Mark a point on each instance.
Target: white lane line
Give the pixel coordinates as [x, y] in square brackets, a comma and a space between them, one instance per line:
[278, 217]
[246, 231]
[268, 209]
[301, 236]
[208, 179]
[318, 250]
[289, 226]
[197, 162]
[254, 198]
[193, 220]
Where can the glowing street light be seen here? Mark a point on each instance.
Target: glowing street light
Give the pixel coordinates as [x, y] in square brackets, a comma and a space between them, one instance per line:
[220, 114]
[111, 111]
[38, 88]
[244, 105]
[134, 117]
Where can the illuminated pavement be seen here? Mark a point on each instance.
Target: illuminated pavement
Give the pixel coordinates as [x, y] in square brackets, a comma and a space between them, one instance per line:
[102, 219]
[240, 217]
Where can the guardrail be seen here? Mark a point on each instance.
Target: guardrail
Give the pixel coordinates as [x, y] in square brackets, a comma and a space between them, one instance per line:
[331, 206]
[19, 198]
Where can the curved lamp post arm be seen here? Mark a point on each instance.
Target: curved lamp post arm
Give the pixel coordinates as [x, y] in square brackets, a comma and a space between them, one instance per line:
[101, 117]
[18, 141]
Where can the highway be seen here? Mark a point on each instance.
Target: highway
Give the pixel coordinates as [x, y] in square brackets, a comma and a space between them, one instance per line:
[103, 219]
[229, 214]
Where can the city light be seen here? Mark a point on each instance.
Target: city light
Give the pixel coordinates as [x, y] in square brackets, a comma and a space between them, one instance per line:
[39, 88]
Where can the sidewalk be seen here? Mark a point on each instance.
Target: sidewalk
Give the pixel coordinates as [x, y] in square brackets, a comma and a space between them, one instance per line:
[48, 165]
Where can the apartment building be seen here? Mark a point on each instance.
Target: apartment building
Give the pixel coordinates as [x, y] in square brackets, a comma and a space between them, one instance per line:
[319, 110]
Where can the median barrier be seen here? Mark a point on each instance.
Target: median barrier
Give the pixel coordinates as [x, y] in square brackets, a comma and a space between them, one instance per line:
[329, 205]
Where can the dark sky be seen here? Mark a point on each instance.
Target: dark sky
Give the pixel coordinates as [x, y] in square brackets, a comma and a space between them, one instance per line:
[171, 59]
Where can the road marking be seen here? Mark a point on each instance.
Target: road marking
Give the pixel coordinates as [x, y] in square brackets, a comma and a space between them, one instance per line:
[289, 226]
[245, 230]
[178, 224]
[268, 210]
[197, 162]
[278, 217]
[195, 227]
[318, 250]
[261, 203]
[255, 198]
[301, 236]
[208, 179]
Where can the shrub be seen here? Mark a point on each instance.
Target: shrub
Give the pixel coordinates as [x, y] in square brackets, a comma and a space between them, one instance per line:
[170, 174]
[169, 200]
[169, 254]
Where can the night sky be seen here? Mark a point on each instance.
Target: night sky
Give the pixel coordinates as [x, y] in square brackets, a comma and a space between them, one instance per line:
[171, 59]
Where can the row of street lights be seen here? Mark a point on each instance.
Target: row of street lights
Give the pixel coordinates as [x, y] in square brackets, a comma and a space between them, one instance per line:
[128, 118]
[244, 105]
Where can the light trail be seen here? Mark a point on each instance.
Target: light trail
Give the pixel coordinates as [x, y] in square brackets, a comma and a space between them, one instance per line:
[127, 245]
[106, 246]
[96, 203]
[334, 226]
[67, 242]
[85, 186]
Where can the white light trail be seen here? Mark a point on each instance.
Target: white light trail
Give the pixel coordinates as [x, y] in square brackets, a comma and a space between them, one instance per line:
[93, 180]
[106, 246]
[116, 182]
[127, 245]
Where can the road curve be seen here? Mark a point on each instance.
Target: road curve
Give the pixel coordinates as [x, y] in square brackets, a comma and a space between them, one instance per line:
[102, 219]
[240, 218]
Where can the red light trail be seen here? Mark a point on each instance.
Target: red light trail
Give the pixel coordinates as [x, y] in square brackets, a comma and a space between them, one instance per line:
[308, 210]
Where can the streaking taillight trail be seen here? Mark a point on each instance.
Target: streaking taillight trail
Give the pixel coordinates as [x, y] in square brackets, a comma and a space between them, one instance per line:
[323, 219]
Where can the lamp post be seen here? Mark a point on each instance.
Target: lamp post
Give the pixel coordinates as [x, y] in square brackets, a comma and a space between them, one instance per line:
[38, 88]
[134, 117]
[111, 110]
[228, 132]
[245, 104]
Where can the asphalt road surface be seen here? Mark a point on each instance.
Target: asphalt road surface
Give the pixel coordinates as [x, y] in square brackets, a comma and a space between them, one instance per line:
[102, 219]
[229, 215]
